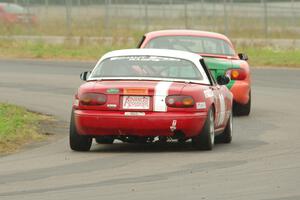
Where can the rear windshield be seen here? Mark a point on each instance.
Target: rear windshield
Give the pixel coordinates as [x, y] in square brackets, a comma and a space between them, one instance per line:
[195, 44]
[13, 8]
[147, 67]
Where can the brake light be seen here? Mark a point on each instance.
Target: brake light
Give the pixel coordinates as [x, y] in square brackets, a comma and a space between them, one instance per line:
[92, 99]
[237, 74]
[178, 101]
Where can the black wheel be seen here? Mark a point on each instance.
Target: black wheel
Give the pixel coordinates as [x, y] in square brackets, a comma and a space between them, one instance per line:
[104, 140]
[206, 139]
[242, 109]
[78, 142]
[226, 136]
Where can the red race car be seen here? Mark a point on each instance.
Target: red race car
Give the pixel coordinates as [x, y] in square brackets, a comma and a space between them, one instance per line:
[219, 56]
[149, 95]
[15, 14]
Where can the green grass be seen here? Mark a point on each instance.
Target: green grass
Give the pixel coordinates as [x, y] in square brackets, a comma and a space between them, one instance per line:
[258, 55]
[17, 127]
[268, 56]
[12, 49]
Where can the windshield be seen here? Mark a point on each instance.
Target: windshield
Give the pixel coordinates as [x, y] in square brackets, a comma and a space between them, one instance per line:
[147, 67]
[195, 44]
[16, 9]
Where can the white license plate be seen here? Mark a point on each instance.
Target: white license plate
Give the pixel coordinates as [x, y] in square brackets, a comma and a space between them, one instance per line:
[136, 102]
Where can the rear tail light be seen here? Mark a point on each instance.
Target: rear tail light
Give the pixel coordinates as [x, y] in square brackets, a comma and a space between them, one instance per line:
[92, 99]
[237, 74]
[178, 101]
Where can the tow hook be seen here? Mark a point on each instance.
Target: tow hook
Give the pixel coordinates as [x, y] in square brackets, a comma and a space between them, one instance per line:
[173, 126]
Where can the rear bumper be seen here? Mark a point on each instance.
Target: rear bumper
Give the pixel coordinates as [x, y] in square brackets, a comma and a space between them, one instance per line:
[240, 91]
[97, 123]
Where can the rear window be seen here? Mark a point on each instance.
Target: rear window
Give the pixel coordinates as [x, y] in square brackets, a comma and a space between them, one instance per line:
[147, 67]
[195, 44]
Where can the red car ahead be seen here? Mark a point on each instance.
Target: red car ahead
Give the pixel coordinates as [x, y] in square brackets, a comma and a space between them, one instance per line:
[14, 14]
[146, 95]
[219, 56]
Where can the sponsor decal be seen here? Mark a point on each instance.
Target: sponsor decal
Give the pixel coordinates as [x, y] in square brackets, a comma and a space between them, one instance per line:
[111, 105]
[173, 125]
[208, 93]
[145, 58]
[135, 91]
[200, 105]
[134, 114]
[160, 94]
[113, 91]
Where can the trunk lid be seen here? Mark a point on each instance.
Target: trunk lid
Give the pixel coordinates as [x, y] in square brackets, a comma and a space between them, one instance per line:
[133, 96]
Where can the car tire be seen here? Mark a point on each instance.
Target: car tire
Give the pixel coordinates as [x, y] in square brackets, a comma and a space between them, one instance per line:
[226, 136]
[78, 142]
[242, 109]
[104, 140]
[205, 140]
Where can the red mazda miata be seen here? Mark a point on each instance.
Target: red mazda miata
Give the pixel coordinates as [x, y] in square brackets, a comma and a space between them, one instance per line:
[151, 95]
[11, 13]
[218, 54]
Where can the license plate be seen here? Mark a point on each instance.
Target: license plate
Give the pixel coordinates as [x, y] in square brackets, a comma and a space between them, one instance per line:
[136, 102]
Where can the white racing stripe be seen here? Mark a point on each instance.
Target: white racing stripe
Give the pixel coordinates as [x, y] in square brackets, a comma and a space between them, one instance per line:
[222, 110]
[160, 94]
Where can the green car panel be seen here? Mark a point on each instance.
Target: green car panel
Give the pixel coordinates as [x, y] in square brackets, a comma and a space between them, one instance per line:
[219, 66]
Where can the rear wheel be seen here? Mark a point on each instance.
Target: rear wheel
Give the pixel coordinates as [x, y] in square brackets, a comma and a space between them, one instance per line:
[226, 136]
[206, 139]
[78, 142]
[104, 140]
[242, 109]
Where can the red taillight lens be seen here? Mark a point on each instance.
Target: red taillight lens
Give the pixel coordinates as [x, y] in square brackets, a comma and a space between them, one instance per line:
[178, 101]
[236, 74]
[92, 99]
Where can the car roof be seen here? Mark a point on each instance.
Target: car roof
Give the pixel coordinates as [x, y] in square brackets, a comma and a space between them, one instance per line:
[186, 32]
[153, 52]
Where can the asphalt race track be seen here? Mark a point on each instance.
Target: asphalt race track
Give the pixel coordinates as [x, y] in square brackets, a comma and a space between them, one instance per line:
[263, 162]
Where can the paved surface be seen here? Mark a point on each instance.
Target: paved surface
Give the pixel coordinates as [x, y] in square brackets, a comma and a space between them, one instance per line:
[263, 162]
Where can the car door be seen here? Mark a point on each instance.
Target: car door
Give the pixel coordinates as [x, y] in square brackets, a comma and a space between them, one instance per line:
[220, 105]
[219, 98]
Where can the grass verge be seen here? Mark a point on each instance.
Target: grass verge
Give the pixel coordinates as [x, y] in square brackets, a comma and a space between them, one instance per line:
[18, 127]
[268, 56]
[258, 55]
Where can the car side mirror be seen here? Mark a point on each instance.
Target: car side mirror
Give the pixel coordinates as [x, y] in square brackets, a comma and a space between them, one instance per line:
[85, 75]
[223, 80]
[243, 56]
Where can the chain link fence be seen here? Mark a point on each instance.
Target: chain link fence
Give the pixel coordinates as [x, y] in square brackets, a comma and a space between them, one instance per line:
[263, 19]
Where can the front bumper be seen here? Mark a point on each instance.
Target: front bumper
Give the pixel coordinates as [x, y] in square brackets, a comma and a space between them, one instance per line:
[240, 91]
[115, 123]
